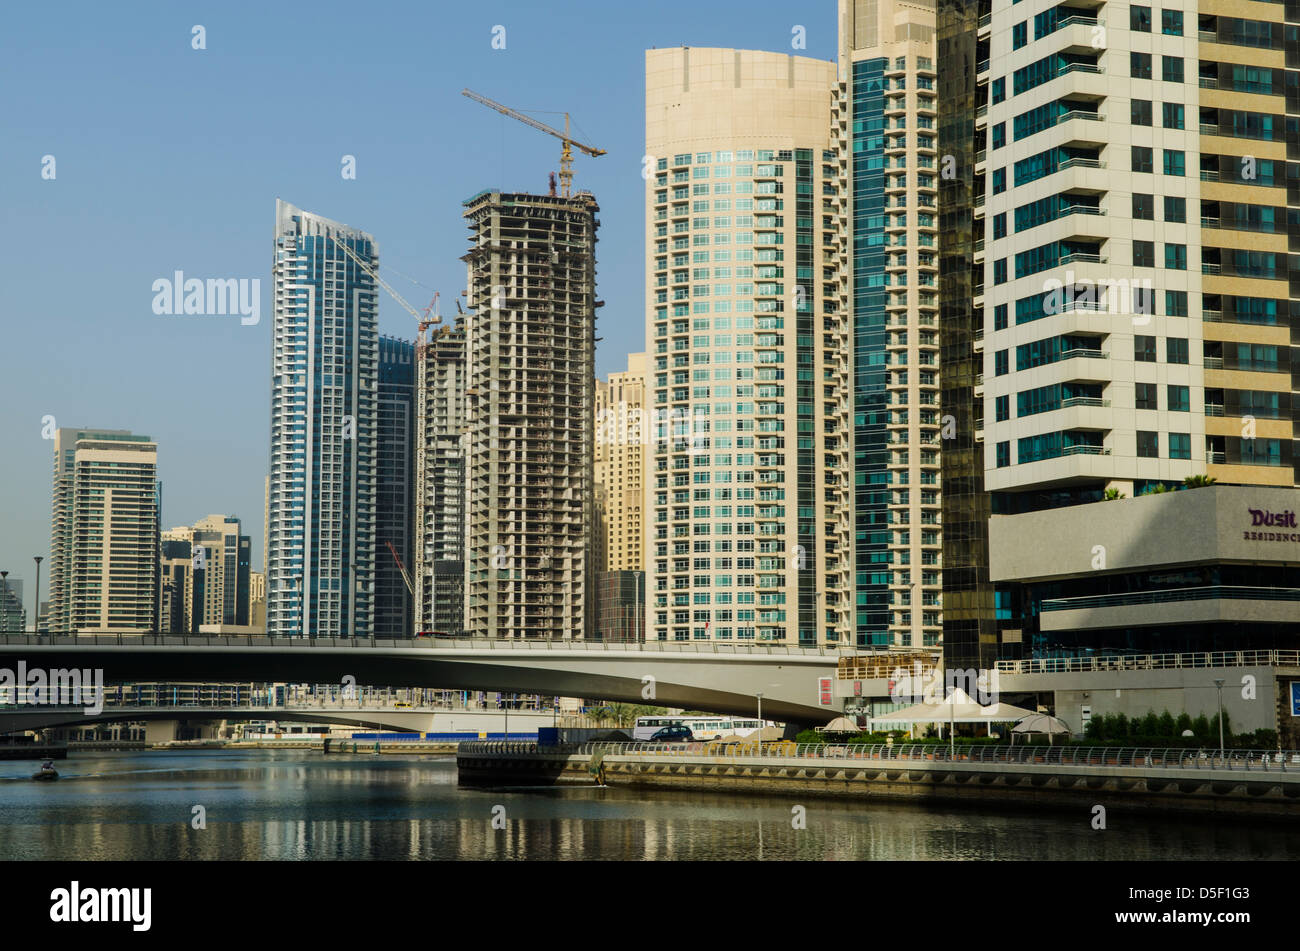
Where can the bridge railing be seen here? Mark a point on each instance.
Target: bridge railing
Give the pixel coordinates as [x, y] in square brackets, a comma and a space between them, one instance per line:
[1271, 761]
[422, 643]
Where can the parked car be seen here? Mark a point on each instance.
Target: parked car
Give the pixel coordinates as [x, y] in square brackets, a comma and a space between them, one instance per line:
[673, 734]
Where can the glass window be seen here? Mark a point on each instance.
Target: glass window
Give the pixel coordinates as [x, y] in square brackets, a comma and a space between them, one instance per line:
[999, 90]
[1148, 445]
[1172, 115]
[1002, 408]
[1144, 207]
[1140, 111]
[1171, 22]
[1000, 225]
[1004, 454]
[1176, 350]
[1171, 69]
[1175, 303]
[1176, 257]
[1000, 271]
[1000, 317]
[1000, 135]
[1180, 400]
[1139, 65]
[1139, 18]
[1144, 396]
[1144, 254]
[1142, 159]
[999, 181]
[1000, 363]
[1180, 446]
[1175, 162]
[1144, 348]
[1019, 35]
[1175, 209]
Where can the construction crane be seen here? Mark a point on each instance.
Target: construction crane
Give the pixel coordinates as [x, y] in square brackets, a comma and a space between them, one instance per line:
[566, 153]
[424, 319]
[406, 578]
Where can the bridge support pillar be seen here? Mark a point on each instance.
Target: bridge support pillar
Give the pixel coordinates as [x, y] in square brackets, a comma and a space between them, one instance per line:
[160, 731]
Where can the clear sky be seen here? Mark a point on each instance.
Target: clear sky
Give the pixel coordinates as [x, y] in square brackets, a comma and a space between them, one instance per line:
[169, 158]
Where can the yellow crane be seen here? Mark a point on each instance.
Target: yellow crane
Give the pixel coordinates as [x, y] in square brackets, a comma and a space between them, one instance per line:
[566, 153]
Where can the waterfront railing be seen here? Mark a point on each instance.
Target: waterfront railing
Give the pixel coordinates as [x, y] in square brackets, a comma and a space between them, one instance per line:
[1066, 665]
[1184, 758]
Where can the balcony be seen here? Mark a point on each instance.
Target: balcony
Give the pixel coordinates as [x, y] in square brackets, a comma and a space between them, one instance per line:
[1085, 450]
[1083, 401]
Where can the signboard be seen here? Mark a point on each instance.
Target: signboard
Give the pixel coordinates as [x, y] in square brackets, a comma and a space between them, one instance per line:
[824, 683]
[857, 688]
[1295, 698]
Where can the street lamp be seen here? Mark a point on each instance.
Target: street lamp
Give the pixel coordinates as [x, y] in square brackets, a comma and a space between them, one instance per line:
[1219, 683]
[36, 601]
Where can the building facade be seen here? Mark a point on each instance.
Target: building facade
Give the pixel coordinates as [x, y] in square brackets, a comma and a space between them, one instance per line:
[886, 118]
[13, 616]
[324, 408]
[1127, 210]
[748, 502]
[206, 572]
[395, 489]
[530, 353]
[620, 606]
[104, 535]
[440, 481]
[622, 432]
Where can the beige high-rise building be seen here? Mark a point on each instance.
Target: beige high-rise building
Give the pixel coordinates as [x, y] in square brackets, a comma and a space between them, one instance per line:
[885, 118]
[530, 351]
[206, 575]
[620, 466]
[104, 538]
[749, 511]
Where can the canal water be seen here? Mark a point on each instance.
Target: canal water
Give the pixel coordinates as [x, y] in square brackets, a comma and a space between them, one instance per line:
[298, 804]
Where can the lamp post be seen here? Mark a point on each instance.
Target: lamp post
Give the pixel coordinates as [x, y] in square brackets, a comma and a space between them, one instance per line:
[760, 723]
[1219, 684]
[36, 600]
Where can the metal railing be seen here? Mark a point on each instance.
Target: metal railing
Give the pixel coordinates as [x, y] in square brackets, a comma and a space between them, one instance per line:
[407, 644]
[1184, 758]
[1064, 665]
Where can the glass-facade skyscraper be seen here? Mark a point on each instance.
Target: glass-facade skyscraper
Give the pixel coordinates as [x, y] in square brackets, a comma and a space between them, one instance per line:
[324, 419]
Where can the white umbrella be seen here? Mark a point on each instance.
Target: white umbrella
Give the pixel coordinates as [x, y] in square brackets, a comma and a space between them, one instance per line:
[841, 725]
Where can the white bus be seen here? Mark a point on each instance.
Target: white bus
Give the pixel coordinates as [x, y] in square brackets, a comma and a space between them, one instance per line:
[703, 728]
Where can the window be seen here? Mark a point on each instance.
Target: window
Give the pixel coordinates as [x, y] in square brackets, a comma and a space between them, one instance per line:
[1139, 19]
[1171, 69]
[1144, 254]
[1175, 303]
[1175, 209]
[1019, 35]
[1002, 408]
[1144, 396]
[1140, 111]
[1144, 349]
[1176, 350]
[1000, 225]
[1171, 114]
[1180, 400]
[1144, 207]
[1000, 180]
[1142, 159]
[1180, 444]
[1175, 162]
[1000, 317]
[999, 135]
[1139, 65]
[1001, 363]
[1004, 454]
[1000, 271]
[1176, 257]
[999, 90]
[1171, 24]
[1148, 445]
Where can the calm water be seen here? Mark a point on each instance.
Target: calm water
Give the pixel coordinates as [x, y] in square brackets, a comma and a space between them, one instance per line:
[291, 804]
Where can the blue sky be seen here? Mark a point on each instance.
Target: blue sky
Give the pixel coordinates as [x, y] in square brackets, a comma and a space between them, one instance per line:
[169, 158]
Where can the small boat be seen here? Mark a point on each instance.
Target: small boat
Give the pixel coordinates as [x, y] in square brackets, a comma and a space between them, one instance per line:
[47, 772]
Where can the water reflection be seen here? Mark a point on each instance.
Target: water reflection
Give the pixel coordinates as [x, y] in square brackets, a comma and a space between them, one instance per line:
[269, 805]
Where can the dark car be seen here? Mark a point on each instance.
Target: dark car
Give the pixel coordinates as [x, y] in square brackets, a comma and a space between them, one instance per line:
[673, 734]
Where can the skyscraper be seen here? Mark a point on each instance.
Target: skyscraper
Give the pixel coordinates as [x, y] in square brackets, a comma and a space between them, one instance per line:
[621, 436]
[395, 488]
[886, 116]
[324, 407]
[104, 536]
[1125, 207]
[746, 324]
[206, 575]
[440, 481]
[530, 350]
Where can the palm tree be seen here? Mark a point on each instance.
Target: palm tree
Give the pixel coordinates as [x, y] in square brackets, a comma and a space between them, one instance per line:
[1196, 481]
[1112, 494]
